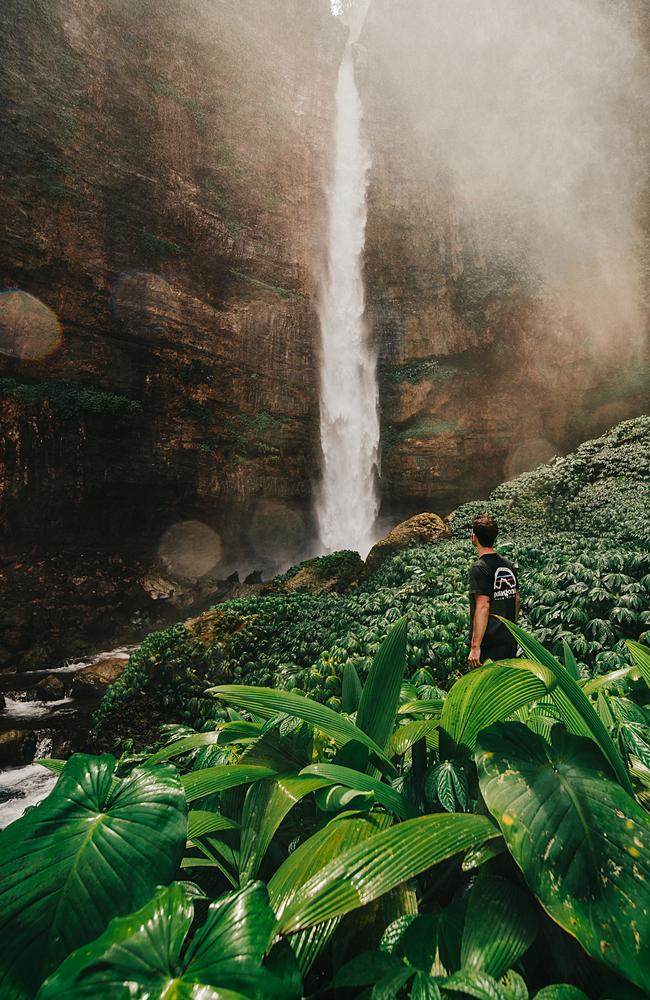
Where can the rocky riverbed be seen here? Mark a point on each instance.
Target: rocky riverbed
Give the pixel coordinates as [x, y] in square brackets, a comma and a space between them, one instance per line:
[47, 713]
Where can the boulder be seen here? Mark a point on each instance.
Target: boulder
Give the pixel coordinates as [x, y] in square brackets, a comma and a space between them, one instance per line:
[422, 529]
[3, 703]
[49, 688]
[17, 746]
[92, 681]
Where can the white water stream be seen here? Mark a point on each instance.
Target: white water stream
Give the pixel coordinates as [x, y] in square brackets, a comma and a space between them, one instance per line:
[347, 500]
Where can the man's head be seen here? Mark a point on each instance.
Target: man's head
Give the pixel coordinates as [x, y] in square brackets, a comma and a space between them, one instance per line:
[484, 531]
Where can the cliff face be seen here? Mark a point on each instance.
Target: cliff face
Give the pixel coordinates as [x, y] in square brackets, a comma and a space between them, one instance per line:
[162, 192]
[499, 265]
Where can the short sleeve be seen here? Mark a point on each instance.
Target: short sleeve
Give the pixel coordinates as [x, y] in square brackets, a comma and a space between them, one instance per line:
[480, 580]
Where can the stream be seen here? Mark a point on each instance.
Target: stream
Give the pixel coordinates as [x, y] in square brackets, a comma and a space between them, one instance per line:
[61, 727]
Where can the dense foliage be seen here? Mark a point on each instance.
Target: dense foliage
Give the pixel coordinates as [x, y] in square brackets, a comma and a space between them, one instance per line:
[490, 843]
[578, 529]
[72, 399]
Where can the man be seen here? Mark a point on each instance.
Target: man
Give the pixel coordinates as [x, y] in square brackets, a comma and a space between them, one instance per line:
[493, 590]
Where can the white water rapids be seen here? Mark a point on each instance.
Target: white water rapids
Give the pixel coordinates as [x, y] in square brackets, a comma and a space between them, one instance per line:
[347, 500]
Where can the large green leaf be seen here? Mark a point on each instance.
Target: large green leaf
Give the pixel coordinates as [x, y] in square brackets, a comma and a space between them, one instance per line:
[350, 688]
[385, 795]
[367, 871]
[380, 696]
[336, 726]
[574, 707]
[490, 693]
[581, 842]
[145, 956]
[266, 804]
[92, 850]
[641, 656]
[494, 945]
[342, 832]
[209, 780]
[408, 735]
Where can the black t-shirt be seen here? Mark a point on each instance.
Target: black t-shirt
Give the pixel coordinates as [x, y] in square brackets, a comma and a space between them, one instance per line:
[494, 577]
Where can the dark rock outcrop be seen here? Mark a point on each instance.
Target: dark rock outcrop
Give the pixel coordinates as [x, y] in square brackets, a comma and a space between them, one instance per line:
[17, 746]
[48, 689]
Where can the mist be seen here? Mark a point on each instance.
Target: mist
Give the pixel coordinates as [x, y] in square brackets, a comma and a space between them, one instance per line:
[536, 116]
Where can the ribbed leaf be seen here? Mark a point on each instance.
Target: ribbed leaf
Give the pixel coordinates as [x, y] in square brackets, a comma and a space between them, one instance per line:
[200, 822]
[52, 764]
[604, 680]
[369, 870]
[575, 709]
[380, 696]
[266, 804]
[494, 945]
[198, 784]
[490, 693]
[422, 706]
[582, 843]
[342, 832]
[385, 795]
[146, 954]
[184, 745]
[641, 657]
[570, 664]
[407, 735]
[478, 856]
[80, 858]
[336, 726]
[474, 984]
[350, 688]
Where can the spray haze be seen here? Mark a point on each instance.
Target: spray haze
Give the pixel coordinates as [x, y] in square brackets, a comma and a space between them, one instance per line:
[537, 116]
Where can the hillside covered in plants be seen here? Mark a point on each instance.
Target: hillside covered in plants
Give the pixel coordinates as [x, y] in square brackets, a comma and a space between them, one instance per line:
[331, 805]
[578, 529]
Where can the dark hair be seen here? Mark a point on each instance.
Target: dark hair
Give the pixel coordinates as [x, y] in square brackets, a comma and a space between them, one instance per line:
[486, 529]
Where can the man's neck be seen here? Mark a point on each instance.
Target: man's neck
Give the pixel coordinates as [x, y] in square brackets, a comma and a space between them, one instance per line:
[483, 551]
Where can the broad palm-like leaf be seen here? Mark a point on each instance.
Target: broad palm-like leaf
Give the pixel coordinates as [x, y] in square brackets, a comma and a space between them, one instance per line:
[335, 726]
[575, 708]
[385, 795]
[365, 872]
[209, 780]
[343, 832]
[350, 688]
[490, 693]
[82, 857]
[494, 945]
[582, 843]
[380, 696]
[266, 804]
[201, 822]
[407, 735]
[145, 955]
[641, 657]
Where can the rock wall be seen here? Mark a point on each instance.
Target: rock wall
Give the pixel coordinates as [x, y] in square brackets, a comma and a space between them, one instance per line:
[484, 370]
[162, 169]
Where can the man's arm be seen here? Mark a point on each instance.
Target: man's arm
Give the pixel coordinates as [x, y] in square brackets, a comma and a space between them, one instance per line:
[517, 606]
[481, 615]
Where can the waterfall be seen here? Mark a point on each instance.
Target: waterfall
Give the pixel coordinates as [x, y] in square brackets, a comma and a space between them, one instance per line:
[347, 500]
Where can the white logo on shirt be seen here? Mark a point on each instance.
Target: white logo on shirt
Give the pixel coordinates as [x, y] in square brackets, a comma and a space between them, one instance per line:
[505, 584]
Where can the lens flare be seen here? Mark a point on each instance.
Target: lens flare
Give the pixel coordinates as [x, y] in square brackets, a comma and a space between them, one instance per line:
[190, 549]
[277, 530]
[29, 330]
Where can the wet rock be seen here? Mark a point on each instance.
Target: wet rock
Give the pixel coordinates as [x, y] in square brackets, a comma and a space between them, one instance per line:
[422, 529]
[233, 578]
[49, 689]
[17, 746]
[3, 703]
[92, 681]
[254, 577]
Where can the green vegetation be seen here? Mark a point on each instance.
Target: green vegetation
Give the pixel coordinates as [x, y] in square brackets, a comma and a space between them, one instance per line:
[358, 815]
[159, 249]
[490, 843]
[282, 293]
[163, 87]
[72, 399]
[242, 435]
[416, 371]
[391, 436]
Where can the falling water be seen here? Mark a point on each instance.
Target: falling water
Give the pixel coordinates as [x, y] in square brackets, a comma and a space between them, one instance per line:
[347, 502]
